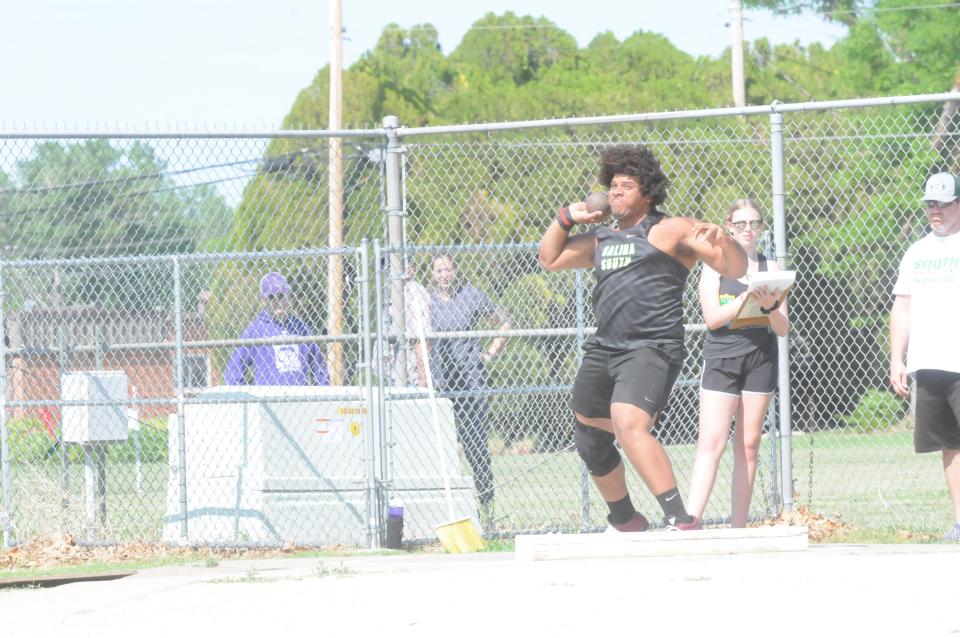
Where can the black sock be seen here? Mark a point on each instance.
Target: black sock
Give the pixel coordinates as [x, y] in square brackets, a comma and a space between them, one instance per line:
[672, 505]
[620, 511]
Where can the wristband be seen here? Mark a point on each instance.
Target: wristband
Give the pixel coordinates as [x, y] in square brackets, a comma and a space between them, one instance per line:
[767, 311]
[564, 219]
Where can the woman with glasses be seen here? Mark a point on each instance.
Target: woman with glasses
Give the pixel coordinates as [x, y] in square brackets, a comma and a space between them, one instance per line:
[739, 369]
[459, 364]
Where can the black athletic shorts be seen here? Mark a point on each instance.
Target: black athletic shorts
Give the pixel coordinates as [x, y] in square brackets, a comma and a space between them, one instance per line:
[642, 377]
[754, 372]
[938, 410]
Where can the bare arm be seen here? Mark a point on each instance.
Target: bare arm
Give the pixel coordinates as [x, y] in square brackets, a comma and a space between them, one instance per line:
[421, 353]
[779, 323]
[712, 245]
[899, 338]
[715, 314]
[499, 343]
[561, 251]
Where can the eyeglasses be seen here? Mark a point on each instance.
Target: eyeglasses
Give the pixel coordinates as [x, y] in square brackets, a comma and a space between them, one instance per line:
[932, 203]
[755, 224]
[275, 298]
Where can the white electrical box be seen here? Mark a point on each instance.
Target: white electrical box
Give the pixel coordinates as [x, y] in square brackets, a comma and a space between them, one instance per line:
[94, 423]
[305, 469]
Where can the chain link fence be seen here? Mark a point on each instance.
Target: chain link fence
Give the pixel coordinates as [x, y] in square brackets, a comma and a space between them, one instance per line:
[157, 387]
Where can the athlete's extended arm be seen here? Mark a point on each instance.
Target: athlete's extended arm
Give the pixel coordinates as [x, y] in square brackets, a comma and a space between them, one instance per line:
[561, 251]
[717, 249]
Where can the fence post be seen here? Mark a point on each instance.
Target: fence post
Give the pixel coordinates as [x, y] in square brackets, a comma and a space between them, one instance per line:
[783, 343]
[373, 509]
[395, 240]
[4, 448]
[382, 362]
[62, 364]
[178, 381]
[584, 477]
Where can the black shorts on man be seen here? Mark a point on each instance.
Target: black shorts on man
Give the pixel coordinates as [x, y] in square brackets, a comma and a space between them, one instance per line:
[753, 373]
[937, 411]
[643, 376]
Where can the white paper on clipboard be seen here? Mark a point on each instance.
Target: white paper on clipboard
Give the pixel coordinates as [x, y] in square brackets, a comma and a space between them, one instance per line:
[772, 280]
[750, 314]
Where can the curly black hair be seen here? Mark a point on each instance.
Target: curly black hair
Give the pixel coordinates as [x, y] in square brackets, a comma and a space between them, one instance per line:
[638, 162]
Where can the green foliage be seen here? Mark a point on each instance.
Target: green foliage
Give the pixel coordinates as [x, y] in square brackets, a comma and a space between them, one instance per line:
[511, 53]
[877, 410]
[520, 67]
[29, 442]
[843, 11]
[96, 198]
[150, 442]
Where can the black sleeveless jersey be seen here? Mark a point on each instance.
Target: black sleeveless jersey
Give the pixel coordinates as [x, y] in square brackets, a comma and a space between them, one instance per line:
[725, 342]
[638, 297]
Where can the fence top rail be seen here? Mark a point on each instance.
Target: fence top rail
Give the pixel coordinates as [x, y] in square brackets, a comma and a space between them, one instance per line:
[456, 248]
[185, 133]
[182, 258]
[775, 107]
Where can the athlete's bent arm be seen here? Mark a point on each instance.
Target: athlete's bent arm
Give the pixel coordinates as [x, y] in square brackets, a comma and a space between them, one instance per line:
[561, 251]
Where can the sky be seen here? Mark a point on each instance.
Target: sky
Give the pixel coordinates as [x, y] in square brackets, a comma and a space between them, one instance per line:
[224, 64]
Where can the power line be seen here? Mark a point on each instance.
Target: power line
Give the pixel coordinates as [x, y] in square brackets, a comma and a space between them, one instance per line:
[482, 27]
[33, 210]
[146, 176]
[799, 62]
[127, 196]
[868, 10]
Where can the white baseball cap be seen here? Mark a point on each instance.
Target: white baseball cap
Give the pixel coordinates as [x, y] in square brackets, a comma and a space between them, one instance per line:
[941, 187]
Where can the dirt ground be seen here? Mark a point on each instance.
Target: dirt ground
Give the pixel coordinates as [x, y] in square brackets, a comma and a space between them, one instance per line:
[62, 550]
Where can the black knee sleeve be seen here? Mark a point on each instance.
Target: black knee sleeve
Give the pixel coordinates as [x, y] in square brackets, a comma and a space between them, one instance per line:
[596, 448]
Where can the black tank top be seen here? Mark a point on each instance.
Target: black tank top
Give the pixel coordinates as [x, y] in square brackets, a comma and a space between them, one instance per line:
[638, 297]
[724, 342]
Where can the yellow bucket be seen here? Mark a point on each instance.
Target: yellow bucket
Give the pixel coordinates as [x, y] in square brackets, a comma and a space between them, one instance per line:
[460, 536]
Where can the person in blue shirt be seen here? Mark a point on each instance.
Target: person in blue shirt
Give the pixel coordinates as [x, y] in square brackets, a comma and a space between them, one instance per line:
[459, 363]
[277, 363]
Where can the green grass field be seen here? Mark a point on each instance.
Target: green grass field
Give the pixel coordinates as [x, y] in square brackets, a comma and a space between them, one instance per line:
[874, 482]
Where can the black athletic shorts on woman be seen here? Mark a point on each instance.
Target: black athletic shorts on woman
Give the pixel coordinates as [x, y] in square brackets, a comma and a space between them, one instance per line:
[754, 372]
[643, 376]
[938, 411]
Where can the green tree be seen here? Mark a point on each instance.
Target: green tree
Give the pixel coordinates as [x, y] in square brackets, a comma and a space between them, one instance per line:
[843, 11]
[94, 198]
[97, 198]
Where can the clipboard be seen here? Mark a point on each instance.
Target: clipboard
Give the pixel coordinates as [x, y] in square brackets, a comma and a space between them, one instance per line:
[749, 314]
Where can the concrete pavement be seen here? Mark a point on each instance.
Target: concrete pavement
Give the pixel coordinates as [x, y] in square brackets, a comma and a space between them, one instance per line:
[826, 590]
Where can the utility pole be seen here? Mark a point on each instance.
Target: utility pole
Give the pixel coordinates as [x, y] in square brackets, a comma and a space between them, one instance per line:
[335, 201]
[736, 53]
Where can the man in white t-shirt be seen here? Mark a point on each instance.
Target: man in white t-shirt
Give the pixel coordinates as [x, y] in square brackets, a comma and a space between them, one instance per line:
[927, 302]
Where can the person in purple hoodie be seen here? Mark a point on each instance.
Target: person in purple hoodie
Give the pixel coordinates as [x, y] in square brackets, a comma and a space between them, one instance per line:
[277, 363]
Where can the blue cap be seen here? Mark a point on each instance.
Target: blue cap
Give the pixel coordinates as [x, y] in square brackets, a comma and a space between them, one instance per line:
[273, 283]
